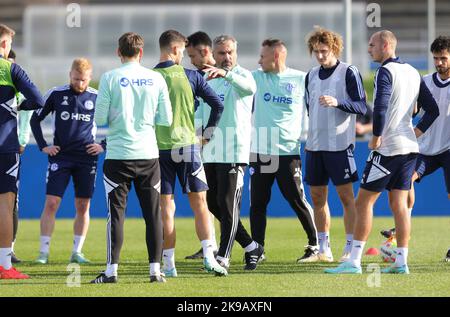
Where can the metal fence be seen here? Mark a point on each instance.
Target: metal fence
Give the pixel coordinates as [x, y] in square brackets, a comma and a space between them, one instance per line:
[50, 45]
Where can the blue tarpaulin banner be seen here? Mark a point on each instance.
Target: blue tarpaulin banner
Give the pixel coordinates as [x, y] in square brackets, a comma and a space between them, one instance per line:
[431, 195]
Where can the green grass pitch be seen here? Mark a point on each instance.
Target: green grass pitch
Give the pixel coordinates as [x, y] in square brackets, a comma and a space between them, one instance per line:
[278, 276]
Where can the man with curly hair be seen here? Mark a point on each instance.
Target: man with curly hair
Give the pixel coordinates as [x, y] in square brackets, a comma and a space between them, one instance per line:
[334, 96]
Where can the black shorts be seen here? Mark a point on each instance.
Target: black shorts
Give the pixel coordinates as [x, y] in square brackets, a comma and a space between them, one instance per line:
[9, 172]
[83, 175]
[388, 172]
[427, 165]
[186, 163]
[339, 166]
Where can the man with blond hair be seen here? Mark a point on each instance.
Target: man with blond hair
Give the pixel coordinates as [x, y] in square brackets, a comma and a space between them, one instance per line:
[12, 80]
[334, 96]
[398, 87]
[73, 153]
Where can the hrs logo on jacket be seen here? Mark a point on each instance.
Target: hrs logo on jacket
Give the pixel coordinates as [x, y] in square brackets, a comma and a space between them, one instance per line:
[124, 82]
[75, 116]
[277, 99]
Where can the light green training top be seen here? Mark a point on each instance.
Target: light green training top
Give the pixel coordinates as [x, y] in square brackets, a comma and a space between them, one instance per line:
[278, 110]
[24, 115]
[231, 139]
[24, 123]
[131, 100]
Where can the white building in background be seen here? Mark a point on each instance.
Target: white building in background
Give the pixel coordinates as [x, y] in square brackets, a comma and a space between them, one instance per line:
[50, 44]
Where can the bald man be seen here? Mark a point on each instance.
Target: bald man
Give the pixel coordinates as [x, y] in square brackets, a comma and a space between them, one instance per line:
[398, 86]
[275, 148]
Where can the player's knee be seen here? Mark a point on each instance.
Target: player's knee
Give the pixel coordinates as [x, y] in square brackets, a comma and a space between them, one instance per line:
[347, 200]
[361, 204]
[83, 212]
[167, 208]
[398, 206]
[318, 199]
[198, 202]
[51, 206]
[82, 206]
[167, 216]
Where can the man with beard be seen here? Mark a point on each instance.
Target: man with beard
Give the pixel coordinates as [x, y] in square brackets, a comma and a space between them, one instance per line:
[73, 153]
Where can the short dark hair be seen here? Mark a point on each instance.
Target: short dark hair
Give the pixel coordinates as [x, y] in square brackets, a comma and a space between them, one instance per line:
[130, 44]
[12, 54]
[171, 36]
[271, 42]
[199, 38]
[440, 44]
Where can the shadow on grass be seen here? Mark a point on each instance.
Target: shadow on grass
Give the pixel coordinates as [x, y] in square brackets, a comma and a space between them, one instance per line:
[137, 272]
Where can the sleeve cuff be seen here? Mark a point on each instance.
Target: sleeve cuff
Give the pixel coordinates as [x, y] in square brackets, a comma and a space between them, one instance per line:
[228, 75]
[103, 144]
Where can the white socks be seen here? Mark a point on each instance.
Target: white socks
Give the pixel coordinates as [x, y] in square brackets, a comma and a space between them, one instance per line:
[213, 233]
[324, 242]
[45, 244]
[401, 257]
[252, 246]
[155, 268]
[111, 269]
[78, 242]
[168, 259]
[12, 246]
[207, 246]
[5, 258]
[357, 251]
[225, 261]
[348, 244]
